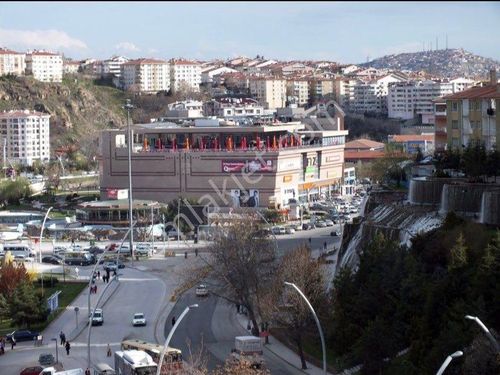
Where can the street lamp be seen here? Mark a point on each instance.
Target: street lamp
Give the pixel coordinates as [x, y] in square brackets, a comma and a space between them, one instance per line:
[486, 330]
[128, 106]
[448, 360]
[167, 341]
[57, 351]
[40, 239]
[317, 322]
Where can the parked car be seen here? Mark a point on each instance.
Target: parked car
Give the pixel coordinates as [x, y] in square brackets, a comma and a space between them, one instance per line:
[201, 290]
[297, 227]
[320, 224]
[35, 370]
[329, 223]
[95, 250]
[124, 249]
[307, 226]
[289, 230]
[278, 230]
[22, 335]
[111, 266]
[144, 249]
[22, 258]
[139, 320]
[51, 259]
[335, 233]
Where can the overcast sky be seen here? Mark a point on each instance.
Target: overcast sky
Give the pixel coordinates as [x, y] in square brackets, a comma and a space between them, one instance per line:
[345, 32]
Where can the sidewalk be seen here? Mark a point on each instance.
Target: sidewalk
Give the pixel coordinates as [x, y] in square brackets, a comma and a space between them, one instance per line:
[282, 351]
[72, 323]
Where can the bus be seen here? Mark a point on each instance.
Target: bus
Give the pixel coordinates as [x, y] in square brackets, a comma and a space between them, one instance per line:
[134, 362]
[18, 249]
[172, 361]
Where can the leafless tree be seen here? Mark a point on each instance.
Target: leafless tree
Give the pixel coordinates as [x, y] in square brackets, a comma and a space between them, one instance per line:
[285, 306]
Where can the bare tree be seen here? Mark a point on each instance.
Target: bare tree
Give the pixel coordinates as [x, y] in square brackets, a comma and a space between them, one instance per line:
[285, 306]
[242, 264]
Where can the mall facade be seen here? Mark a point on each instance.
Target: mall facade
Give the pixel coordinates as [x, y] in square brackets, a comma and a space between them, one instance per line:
[264, 165]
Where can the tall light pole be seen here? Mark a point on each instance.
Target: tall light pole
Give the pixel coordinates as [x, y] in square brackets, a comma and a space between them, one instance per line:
[169, 337]
[128, 106]
[40, 239]
[448, 360]
[317, 322]
[486, 330]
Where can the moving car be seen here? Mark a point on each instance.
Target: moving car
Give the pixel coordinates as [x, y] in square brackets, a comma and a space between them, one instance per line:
[329, 223]
[98, 318]
[201, 290]
[22, 335]
[320, 224]
[139, 320]
[35, 370]
[50, 259]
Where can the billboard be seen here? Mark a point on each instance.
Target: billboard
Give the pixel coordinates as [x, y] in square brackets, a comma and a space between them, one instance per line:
[117, 193]
[249, 166]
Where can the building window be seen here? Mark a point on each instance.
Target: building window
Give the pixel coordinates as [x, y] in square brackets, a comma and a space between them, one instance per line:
[454, 124]
[454, 106]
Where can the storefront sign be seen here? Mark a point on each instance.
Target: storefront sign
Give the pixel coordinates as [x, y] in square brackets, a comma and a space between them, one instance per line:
[287, 178]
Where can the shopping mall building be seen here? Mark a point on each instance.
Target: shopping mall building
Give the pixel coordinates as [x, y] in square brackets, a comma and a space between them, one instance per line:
[263, 165]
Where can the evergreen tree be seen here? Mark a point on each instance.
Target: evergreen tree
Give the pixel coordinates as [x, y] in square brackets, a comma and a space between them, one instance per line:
[27, 307]
[458, 254]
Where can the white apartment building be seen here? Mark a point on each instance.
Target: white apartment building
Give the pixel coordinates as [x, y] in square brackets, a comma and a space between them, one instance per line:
[71, 67]
[112, 66]
[145, 75]
[298, 89]
[26, 136]
[344, 91]
[207, 76]
[185, 74]
[44, 66]
[411, 99]
[233, 107]
[185, 109]
[12, 62]
[270, 92]
[372, 96]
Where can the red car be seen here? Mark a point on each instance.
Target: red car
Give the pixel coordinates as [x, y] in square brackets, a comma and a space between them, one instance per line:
[35, 370]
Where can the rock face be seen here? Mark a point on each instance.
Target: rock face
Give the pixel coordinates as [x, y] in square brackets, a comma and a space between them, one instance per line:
[78, 108]
[449, 63]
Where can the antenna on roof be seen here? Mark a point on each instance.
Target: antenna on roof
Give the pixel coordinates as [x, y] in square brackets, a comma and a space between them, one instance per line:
[446, 41]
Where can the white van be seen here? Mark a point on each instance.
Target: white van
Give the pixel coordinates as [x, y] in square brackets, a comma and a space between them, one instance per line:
[19, 249]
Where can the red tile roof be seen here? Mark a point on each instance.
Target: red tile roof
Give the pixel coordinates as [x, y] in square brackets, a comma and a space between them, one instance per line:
[411, 137]
[184, 62]
[363, 155]
[487, 92]
[5, 51]
[363, 144]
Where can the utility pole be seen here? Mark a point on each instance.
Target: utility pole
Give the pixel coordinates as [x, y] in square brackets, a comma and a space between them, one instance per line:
[178, 221]
[163, 219]
[128, 106]
[152, 228]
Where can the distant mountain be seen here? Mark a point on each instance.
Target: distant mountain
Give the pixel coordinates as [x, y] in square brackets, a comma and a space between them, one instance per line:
[448, 63]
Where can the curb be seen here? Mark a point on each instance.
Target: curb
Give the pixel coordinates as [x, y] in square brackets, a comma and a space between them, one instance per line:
[77, 331]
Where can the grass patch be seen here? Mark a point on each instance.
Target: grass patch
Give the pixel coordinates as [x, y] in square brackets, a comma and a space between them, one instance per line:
[69, 291]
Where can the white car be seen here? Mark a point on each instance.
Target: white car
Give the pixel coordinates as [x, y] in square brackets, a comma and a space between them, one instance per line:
[139, 320]
[144, 249]
[22, 258]
[329, 223]
[201, 290]
[290, 230]
[320, 224]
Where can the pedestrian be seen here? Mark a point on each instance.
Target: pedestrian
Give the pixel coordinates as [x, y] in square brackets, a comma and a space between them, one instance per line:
[114, 274]
[87, 371]
[196, 252]
[62, 336]
[2, 346]
[173, 320]
[309, 240]
[108, 352]
[13, 343]
[68, 347]
[95, 289]
[324, 245]
[185, 255]
[98, 275]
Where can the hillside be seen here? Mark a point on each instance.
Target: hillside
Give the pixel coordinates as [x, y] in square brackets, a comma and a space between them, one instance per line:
[79, 107]
[449, 63]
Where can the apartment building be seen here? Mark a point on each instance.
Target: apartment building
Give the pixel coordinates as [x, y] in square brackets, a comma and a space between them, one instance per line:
[371, 96]
[407, 100]
[270, 92]
[185, 109]
[184, 75]
[207, 75]
[71, 67]
[225, 166]
[12, 62]
[112, 66]
[299, 90]
[344, 91]
[145, 75]
[26, 136]
[233, 107]
[472, 115]
[44, 66]
[440, 131]
[320, 87]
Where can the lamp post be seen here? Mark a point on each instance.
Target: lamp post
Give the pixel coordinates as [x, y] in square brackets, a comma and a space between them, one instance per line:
[57, 351]
[169, 337]
[486, 330]
[40, 239]
[128, 106]
[448, 360]
[317, 322]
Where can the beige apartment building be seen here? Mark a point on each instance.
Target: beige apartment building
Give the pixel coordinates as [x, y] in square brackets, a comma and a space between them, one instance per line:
[298, 88]
[472, 115]
[230, 166]
[270, 92]
[321, 87]
[185, 75]
[12, 62]
[44, 66]
[145, 75]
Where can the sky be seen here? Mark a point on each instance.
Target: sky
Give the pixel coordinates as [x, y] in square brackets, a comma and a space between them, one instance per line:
[345, 32]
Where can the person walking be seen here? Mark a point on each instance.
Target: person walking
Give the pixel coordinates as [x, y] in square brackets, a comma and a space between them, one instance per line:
[109, 352]
[98, 275]
[68, 347]
[173, 320]
[12, 343]
[62, 336]
[87, 371]
[324, 245]
[95, 289]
